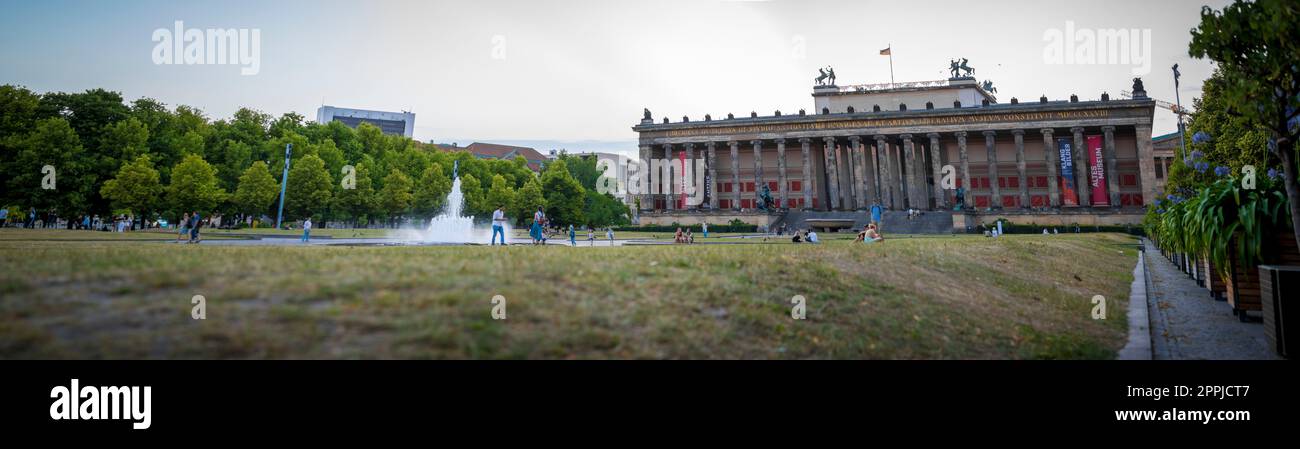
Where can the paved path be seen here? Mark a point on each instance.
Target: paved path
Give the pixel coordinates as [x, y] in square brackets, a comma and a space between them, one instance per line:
[1187, 324]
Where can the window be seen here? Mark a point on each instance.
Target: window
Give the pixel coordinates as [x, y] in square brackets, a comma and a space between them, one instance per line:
[1040, 182]
[749, 187]
[746, 204]
[724, 204]
[1010, 201]
[796, 186]
[1038, 201]
[772, 185]
[1128, 180]
[982, 201]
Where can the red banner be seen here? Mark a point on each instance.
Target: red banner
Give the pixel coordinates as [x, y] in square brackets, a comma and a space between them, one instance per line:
[1097, 175]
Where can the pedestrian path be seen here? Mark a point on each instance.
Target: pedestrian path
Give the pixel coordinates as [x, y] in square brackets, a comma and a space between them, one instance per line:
[1186, 324]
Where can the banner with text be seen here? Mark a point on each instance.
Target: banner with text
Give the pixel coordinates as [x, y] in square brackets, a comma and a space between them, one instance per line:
[1068, 195]
[1097, 175]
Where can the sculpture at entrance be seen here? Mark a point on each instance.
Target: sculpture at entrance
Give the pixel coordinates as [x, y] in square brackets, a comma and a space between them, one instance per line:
[765, 198]
[961, 199]
[988, 87]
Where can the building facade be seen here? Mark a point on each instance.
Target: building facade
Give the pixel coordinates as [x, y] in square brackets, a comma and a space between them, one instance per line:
[395, 123]
[1042, 162]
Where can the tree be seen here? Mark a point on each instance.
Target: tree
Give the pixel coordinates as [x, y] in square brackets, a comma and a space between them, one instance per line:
[257, 190]
[605, 210]
[472, 190]
[55, 144]
[395, 197]
[136, 187]
[194, 187]
[565, 198]
[527, 201]
[358, 201]
[310, 188]
[432, 191]
[500, 194]
[1256, 47]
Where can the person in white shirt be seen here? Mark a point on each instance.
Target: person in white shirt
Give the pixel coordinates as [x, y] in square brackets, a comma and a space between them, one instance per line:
[499, 225]
[306, 230]
[812, 237]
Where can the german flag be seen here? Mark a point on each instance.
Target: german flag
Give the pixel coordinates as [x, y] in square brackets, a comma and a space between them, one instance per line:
[884, 52]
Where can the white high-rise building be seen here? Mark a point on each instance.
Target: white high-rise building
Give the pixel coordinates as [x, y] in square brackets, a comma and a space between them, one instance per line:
[397, 123]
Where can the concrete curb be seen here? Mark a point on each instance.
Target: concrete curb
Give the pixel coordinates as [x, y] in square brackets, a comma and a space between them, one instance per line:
[1139, 322]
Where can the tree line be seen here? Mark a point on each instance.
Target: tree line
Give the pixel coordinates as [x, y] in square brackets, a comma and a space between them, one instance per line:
[141, 158]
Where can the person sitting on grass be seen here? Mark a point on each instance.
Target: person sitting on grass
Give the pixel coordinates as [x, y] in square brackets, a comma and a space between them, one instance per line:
[812, 237]
[798, 238]
[870, 235]
[690, 236]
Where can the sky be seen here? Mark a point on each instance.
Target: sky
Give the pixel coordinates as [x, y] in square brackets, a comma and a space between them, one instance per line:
[576, 74]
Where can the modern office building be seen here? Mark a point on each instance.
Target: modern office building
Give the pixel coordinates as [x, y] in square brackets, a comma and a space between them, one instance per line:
[395, 123]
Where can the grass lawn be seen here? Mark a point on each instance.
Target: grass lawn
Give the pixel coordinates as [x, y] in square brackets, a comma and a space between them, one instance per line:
[953, 297]
[15, 234]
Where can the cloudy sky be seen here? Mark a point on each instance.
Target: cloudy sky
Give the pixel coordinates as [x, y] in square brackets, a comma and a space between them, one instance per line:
[576, 74]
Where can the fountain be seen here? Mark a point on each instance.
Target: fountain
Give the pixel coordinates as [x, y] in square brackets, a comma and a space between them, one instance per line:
[450, 226]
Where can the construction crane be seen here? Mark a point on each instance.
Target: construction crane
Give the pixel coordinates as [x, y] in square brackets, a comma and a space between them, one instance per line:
[1161, 103]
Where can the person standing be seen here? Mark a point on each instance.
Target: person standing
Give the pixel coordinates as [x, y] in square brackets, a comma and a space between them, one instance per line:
[31, 218]
[705, 227]
[306, 230]
[4, 216]
[572, 236]
[499, 225]
[876, 212]
[609, 234]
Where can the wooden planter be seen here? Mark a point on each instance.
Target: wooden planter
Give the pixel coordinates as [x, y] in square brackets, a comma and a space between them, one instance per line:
[1213, 281]
[1278, 283]
[1243, 284]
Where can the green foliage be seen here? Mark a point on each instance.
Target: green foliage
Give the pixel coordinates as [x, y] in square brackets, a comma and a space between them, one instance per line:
[475, 197]
[310, 189]
[136, 187]
[395, 198]
[194, 187]
[603, 210]
[431, 192]
[527, 200]
[1223, 221]
[565, 198]
[499, 194]
[361, 200]
[257, 190]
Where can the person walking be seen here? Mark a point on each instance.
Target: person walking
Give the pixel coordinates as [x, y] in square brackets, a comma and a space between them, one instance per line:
[306, 230]
[609, 234]
[499, 225]
[705, 228]
[591, 236]
[182, 227]
[31, 218]
[4, 216]
[196, 221]
[535, 231]
[572, 236]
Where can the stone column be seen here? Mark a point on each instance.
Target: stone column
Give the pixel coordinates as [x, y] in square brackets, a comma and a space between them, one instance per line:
[936, 171]
[735, 174]
[886, 185]
[855, 152]
[690, 180]
[909, 172]
[1081, 184]
[781, 185]
[832, 175]
[713, 174]
[965, 166]
[870, 168]
[1146, 165]
[1020, 167]
[1053, 162]
[807, 173]
[670, 183]
[1112, 176]
[647, 199]
[990, 145]
[758, 169]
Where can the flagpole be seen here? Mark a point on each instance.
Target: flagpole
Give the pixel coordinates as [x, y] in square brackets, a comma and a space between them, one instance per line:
[891, 65]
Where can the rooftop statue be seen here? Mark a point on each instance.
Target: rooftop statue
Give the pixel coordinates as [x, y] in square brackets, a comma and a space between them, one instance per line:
[647, 114]
[827, 77]
[960, 69]
[988, 87]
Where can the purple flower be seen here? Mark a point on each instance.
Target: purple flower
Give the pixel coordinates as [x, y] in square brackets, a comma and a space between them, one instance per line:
[1200, 137]
[1170, 197]
[1197, 155]
[1221, 171]
[1160, 211]
[1202, 166]
[1272, 173]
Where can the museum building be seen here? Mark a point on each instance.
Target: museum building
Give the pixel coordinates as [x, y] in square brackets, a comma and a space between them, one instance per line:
[1086, 162]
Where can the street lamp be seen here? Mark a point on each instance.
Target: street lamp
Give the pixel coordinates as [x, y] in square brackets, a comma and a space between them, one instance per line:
[284, 182]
